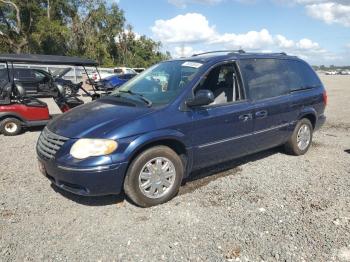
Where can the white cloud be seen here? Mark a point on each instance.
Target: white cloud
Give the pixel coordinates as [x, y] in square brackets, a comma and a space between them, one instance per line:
[283, 42]
[188, 28]
[184, 32]
[331, 13]
[306, 44]
[328, 11]
[194, 28]
[249, 40]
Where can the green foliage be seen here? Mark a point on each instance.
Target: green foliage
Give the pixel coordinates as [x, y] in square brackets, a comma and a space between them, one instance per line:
[86, 28]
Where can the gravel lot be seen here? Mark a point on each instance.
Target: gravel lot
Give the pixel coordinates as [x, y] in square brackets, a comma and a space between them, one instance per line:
[269, 206]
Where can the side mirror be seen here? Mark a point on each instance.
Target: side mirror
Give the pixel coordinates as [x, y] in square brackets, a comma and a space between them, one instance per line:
[201, 98]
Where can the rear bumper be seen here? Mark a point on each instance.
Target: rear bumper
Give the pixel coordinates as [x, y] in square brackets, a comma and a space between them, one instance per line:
[94, 181]
[320, 122]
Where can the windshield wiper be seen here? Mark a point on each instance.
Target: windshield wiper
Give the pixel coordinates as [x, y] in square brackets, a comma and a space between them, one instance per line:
[143, 98]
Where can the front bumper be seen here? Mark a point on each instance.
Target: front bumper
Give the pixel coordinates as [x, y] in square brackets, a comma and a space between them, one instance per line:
[95, 181]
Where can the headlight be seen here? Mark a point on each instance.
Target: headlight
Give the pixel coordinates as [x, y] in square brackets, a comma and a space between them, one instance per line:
[85, 148]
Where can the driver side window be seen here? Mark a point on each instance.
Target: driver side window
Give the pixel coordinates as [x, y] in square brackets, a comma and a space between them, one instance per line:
[223, 82]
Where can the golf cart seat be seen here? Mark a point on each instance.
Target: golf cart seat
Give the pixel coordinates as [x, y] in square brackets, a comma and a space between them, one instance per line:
[28, 101]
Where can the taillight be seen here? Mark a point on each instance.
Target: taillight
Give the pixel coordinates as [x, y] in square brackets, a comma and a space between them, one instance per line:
[325, 97]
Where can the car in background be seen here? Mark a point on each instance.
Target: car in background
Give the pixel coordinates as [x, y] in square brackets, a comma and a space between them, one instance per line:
[113, 81]
[95, 76]
[345, 72]
[124, 70]
[70, 88]
[38, 82]
[331, 73]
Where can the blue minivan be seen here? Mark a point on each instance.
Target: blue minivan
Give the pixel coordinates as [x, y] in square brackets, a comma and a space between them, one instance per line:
[181, 115]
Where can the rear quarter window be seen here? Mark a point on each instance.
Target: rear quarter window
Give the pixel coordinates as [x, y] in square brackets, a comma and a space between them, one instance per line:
[301, 75]
[264, 78]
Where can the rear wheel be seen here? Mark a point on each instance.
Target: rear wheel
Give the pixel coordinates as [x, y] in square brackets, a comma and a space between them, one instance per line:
[300, 141]
[154, 177]
[10, 126]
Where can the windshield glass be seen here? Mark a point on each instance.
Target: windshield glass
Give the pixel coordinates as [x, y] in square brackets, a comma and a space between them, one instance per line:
[161, 83]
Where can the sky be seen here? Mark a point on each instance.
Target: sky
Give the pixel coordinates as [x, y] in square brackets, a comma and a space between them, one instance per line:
[315, 30]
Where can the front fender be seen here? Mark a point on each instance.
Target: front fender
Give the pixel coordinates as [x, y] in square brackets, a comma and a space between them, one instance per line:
[152, 137]
[131, 146]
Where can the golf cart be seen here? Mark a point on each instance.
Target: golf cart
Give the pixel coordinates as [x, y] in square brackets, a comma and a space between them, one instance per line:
[17, 110]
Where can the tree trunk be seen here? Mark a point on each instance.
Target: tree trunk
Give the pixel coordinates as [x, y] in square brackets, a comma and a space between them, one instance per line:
[48, 10]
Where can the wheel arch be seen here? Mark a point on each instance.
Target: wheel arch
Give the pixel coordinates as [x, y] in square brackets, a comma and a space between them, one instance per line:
[174, 142]
[3, 116]
[310, 115]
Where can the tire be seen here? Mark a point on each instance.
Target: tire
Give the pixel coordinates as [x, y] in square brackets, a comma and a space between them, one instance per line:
[300, 141]
[139, 176]
[10, 127]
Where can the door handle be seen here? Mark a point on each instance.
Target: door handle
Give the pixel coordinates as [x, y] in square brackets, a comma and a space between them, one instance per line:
[245, 117]
[261, 114]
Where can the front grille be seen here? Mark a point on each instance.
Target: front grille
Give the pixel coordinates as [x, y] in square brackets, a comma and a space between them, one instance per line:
[49, 143]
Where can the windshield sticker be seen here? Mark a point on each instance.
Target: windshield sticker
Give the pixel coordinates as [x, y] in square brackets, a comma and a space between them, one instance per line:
[192, 64]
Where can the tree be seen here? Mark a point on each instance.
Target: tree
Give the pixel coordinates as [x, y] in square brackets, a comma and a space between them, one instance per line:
[138, 51]
[87, 28]
[16, 24]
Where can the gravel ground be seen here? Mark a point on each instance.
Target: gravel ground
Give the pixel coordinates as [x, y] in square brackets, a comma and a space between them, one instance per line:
[269, 206]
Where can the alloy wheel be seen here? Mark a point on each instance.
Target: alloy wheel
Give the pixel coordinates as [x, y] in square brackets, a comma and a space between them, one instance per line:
[303, 137]
[157, 177]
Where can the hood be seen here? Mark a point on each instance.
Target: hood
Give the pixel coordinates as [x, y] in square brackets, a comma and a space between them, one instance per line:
[96, 119]
[60, 72]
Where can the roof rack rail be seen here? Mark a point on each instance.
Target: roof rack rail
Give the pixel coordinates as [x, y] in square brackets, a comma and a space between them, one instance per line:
[280, 53]
[240, 51]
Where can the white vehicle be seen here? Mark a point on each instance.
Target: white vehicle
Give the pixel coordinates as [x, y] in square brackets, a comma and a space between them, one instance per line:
[95, 76]
[331, 73]
[124, 70]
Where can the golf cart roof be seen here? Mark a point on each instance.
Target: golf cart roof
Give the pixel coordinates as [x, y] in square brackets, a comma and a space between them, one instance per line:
[46, 59]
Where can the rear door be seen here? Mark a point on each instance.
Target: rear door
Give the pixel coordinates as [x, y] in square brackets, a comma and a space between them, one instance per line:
[269, 93]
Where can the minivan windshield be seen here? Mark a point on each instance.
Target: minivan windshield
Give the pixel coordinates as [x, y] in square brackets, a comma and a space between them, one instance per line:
[161, 83]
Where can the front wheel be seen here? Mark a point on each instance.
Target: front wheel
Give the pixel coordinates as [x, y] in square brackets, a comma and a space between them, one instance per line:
[300, 141]
[154, 177]
[10, 126]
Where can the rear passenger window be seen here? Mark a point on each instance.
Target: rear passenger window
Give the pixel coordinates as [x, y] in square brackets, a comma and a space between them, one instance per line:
[265, 78]
[300, 75]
